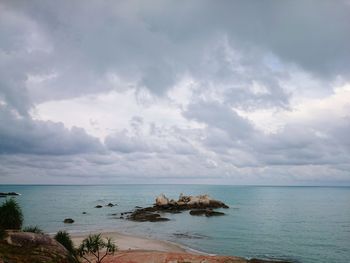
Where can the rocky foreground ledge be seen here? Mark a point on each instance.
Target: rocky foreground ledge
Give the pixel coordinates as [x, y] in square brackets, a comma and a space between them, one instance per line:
[201, 205]
[172, 257]
[24, 247]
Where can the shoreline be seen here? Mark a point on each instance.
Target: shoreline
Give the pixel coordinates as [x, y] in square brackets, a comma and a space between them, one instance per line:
[129, 242]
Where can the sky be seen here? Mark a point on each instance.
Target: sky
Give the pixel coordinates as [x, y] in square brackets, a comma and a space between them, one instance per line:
[203, 92]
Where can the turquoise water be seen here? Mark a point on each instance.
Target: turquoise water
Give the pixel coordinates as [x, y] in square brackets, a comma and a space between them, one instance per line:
[304, 224]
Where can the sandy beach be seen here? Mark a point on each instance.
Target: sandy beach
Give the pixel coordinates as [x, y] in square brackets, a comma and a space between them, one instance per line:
[129, 242]
[131, 249]
[136, 249]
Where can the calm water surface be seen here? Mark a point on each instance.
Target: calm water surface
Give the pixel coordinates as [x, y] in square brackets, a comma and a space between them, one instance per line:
[305, 224]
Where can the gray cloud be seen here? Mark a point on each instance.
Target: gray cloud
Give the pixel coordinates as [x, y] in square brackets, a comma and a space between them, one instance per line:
[235, 140]
[220, 116]
[158, 141]
[150, 44]
[24, 135]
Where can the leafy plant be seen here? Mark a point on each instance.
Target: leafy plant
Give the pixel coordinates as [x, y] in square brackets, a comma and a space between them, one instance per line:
[11, 216]
[33, 229]
[2, 233]
[64, 238]
[97, 247]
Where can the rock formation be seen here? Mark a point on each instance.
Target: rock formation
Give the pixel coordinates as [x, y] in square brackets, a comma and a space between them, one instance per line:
[162, 200]
[189, 202]
[199, 205]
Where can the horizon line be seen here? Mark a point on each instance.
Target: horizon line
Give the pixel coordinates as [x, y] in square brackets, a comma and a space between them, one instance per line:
[115, 184]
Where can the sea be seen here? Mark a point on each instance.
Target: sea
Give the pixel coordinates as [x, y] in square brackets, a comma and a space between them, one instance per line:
[300, 224]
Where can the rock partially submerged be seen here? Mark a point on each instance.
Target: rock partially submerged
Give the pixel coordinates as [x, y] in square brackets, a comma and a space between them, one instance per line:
[199, 205]
[144, 216]
[98, 206]
[206, 212]
[188, 235]
[68, 221]
[2, 194]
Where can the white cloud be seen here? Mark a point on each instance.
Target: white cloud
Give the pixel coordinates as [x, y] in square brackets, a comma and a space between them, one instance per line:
[305, 111]
[102, 114]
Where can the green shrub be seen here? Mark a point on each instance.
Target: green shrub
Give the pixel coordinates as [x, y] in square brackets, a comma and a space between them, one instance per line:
[11, 216]
[93, 245]
[2, 233]
[33, 229]
[64, 238]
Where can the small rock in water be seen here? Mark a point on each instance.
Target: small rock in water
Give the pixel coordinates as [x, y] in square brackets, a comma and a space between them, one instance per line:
[198, 212]
[125, 213]
[68, 221]
[8, 194]
[98, 206]
[110, 205]
[146, 216]
[206, 212]
[189, 235]
[214, 213]
[84, 213]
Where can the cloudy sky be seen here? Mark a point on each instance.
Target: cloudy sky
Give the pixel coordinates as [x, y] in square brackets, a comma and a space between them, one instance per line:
[216, 92]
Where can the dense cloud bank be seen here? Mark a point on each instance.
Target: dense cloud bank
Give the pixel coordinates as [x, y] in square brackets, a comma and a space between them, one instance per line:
[124, 91]
[24, 135]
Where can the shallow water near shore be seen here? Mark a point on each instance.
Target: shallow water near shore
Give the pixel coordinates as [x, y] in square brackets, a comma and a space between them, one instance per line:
[303, 224]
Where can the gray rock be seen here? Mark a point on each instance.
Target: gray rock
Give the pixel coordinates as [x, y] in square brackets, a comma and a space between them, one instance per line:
[8, 194]
[162, 200]
[146, 216]
[68, 221]
[206, 212]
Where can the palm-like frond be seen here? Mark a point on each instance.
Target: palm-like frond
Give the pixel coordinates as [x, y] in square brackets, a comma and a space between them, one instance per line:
[95, 244]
